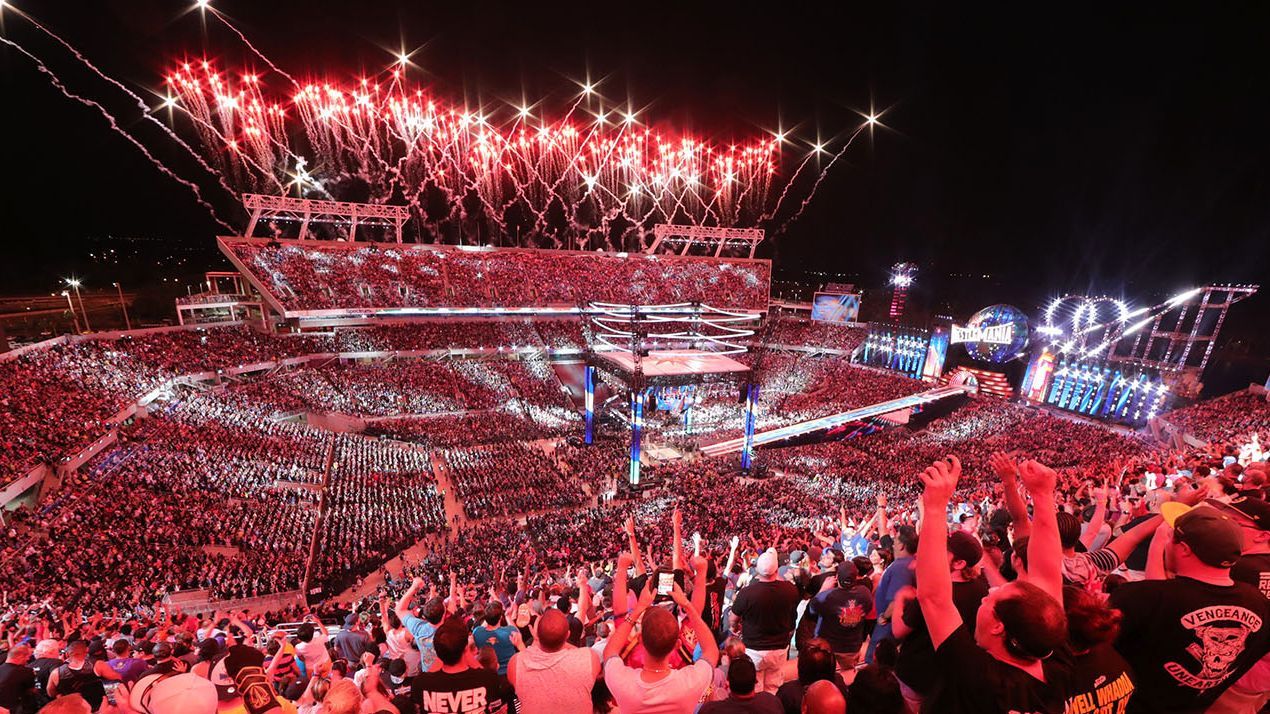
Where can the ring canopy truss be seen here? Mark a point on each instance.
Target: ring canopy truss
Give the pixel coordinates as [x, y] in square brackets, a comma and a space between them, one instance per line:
[686, 326]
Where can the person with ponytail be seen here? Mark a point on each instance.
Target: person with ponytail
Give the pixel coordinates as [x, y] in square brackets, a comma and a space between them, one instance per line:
[1100, 676]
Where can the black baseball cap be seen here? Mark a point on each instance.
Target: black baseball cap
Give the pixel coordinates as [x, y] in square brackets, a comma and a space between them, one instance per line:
[1254, 510]
[965, 546]
[1212, 535]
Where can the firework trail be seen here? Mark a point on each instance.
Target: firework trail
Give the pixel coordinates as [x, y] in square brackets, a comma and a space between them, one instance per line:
[788, 185]
[57, 83]
[145, 109]
[824, 172]
[250, 46]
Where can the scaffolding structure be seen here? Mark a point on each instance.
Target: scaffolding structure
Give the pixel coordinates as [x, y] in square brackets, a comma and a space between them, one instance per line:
[307, 211]
[709, 237]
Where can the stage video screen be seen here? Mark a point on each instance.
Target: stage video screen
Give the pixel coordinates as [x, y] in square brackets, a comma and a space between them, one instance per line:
[835, 307]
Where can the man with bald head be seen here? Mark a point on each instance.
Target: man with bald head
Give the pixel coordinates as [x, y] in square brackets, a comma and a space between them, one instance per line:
[824, 697]
[553, 675]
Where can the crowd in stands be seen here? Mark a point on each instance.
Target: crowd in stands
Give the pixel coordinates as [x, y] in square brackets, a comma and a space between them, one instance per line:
[796, 332]
[382, 499]
[996, 559]
[331, 276]
[1129, 583]
[59, 398]
[510, 478]
[1241, 414]
[795, 387]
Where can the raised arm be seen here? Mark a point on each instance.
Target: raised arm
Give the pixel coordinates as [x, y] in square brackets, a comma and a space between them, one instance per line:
[934, 581]
[677, 545]
[1163, 536]
[727, 569]
[705, 638]
[699, 565]
[622, 634]
[883, 523]
[402, 608]
[1044, 547]
[1100, 516]
[1008, 471]
[621, 595]
[634, 544]
[586, 606]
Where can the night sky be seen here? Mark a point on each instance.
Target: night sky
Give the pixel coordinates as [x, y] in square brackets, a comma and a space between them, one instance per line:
[1108, 147]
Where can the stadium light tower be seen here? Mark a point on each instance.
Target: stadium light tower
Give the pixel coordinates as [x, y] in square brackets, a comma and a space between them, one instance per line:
[74, 315]
[902, 277]
[74, 283]
[123, 306]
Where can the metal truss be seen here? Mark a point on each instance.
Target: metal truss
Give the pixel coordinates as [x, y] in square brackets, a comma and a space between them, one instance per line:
[1183, 330]
[307, 211]
[709, 236]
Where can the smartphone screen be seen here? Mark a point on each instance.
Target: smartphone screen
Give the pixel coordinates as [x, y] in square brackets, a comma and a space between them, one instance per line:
[665, 583]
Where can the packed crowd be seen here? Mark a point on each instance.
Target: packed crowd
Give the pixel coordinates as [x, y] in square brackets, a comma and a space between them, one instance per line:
[331, 275]
[410, 386]
[1118, 584]
[797, 332]
[1053, 565]
[58, 398]
[1240, 415]
[511, 478]
[219, 496]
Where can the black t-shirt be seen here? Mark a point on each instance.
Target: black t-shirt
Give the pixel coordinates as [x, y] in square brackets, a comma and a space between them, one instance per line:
[791, 693]
[818, 581]
[1101, 682]
[915, 666]
[472, 690]
[768, 611]
[17, 688]
[1255, 570]
[1187, 641]
[43, 667]
[712, 613]
[975, 682]
[760, 703]
[840, 616]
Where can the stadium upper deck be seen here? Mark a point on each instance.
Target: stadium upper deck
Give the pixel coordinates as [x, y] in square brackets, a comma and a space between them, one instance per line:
[307, 279]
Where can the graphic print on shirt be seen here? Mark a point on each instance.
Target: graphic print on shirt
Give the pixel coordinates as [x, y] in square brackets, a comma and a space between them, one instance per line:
[468, 700]
[1263, 583]
[851, 614]
[1221, 631]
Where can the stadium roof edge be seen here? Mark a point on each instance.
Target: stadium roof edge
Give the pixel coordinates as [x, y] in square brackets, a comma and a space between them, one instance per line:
[363, 245]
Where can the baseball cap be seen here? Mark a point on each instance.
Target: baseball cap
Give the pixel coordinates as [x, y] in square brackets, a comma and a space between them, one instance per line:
[246, 665]
[1252, 509]
[767, 563]
[225, 687]
[964, 546]
[847, 573]
[796, 557]
[1212, 535]
[180, 694]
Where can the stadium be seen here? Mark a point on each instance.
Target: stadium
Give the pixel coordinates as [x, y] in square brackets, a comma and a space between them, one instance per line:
[374, 462]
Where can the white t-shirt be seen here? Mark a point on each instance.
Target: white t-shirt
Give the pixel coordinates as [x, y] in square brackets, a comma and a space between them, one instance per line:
[313, 653]
[676, 693]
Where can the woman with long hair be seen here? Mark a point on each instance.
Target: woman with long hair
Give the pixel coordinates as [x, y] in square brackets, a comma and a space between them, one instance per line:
[1099, 674]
